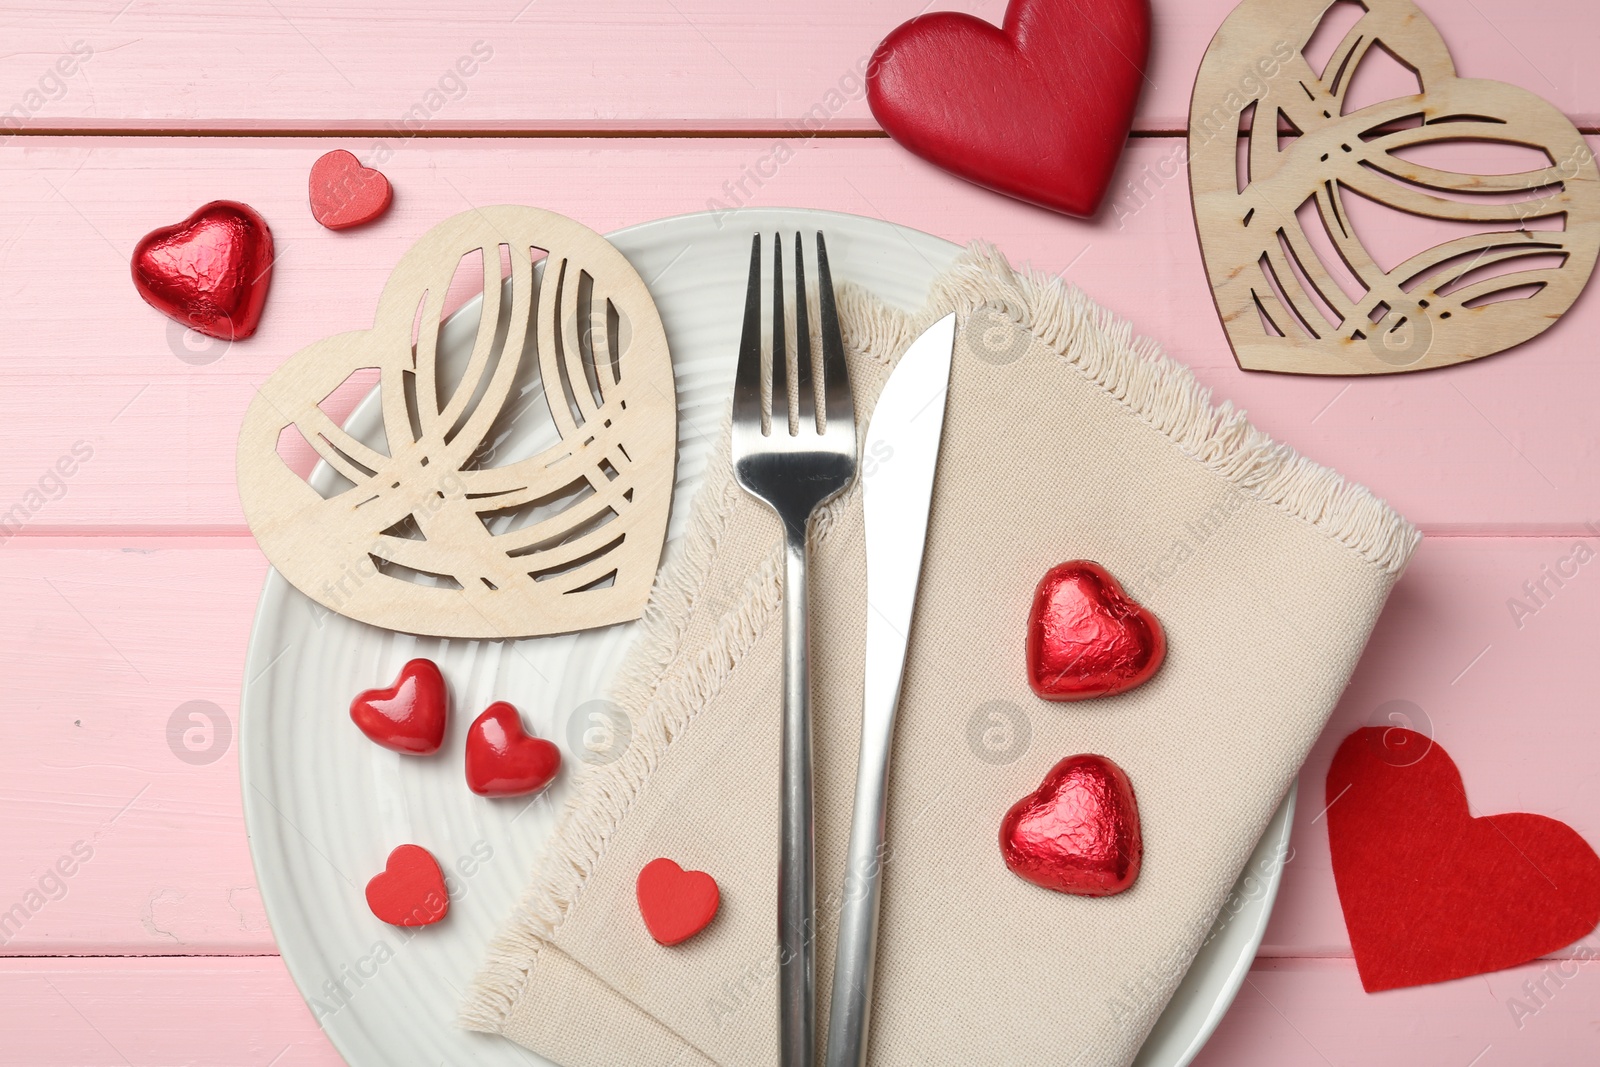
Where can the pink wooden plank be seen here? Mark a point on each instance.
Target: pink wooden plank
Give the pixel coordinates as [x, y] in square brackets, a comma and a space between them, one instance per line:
[114, 636]
[113, 1012]
[1506, 692]
[1312, 1013]
[123, 828]
[630, 65]
[1497, 446]
[1290, 1013]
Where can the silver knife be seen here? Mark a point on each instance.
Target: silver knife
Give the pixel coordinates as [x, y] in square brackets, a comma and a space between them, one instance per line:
[907, 425]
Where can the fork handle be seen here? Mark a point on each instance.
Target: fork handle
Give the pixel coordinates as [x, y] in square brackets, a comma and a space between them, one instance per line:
[797, 1003]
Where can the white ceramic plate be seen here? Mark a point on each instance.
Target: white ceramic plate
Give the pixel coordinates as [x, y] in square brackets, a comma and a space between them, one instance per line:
[323, 806]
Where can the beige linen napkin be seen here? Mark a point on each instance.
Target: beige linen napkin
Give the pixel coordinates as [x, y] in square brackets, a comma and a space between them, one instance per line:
[1064, 438]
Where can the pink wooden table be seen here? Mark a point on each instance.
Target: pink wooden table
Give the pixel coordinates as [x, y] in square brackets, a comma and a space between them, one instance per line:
[130, 585]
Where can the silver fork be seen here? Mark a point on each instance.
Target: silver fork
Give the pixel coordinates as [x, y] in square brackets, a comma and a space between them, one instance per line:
[794, 467]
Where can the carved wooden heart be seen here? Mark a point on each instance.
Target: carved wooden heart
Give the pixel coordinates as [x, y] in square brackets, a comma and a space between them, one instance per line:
[1303, 293]
[522, 491]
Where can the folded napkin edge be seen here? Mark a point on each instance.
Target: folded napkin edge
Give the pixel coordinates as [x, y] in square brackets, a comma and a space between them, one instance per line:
[1156, 389]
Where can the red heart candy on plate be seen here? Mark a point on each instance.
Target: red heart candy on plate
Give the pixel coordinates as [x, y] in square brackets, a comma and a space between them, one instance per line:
[1430, 893]
[502, 761]
[676, 904]
[346, 194]
[409, 715]
[410, 891]
[210, 272]
[1088, 638]
[1038, 109]
[1078, 832]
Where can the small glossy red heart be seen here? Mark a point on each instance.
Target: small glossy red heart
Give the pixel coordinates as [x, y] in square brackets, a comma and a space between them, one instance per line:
[1430, 893]
[676, 904]
[1078, 832]
[210, 272]
[1038, 108]
[409, 716]
[346, 194]
[1086, 637]
[410, 891]
[502, 761]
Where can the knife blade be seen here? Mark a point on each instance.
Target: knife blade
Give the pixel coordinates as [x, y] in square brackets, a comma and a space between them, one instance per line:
[903, 437]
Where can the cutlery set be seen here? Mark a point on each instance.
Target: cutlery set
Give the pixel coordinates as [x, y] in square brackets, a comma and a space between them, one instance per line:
[794, 448]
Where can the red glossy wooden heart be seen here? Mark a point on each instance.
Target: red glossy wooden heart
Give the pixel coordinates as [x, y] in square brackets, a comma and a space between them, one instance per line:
[346, 194]
[502, 760]
[210, 272]
[410, 891]
[1078, 832]
[1430, 893]
[676, 904]
[408, 716]
[1038, 109]
[1086, 637]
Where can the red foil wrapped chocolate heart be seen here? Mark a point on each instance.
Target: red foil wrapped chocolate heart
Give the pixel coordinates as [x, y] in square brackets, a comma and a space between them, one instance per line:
[1088, 638]
[1078, 832]
[210, 271]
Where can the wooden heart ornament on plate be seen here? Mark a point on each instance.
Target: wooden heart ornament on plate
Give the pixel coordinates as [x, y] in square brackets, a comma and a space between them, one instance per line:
[1305, 281]
[524, 492]
[1037, 108]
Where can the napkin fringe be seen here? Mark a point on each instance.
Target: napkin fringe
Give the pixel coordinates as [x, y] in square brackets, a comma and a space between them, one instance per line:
[1165, 395]
[668, 690]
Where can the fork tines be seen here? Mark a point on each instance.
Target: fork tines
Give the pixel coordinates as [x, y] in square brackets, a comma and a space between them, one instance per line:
[802, 414]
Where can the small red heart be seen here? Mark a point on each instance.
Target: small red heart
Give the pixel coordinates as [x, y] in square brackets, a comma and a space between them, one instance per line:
[210, 272]
[502, 761]
[409, 715]
[410, 891]
[676, 904]
[1430, 893]
[1078, 832]
[1088, 638]
[1038, 109]
[346, 194]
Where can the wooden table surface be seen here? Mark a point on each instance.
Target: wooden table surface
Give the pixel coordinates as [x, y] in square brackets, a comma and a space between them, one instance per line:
[130, 584]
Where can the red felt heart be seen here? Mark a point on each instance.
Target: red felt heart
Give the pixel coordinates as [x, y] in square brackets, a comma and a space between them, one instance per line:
[210, 271]
[346, 194]
[502, 761]
[1088, 638]
[676, 904]
[1431, 893]
[409, 715]
[410, 891]
[1038, 109]
[1078, 832]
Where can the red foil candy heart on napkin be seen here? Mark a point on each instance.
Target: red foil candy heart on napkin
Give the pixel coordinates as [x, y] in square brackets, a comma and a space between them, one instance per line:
[409, 715]
[344, 193]
[1078, 832]
[676, 904]
[1038, 108]
[1088, 638]
[210, 272]
[502, 760]
[1430, 893]
[411, 890]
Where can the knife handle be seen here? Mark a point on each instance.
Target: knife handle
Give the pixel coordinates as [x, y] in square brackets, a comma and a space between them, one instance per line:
[797, 997]
[851, 1008]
